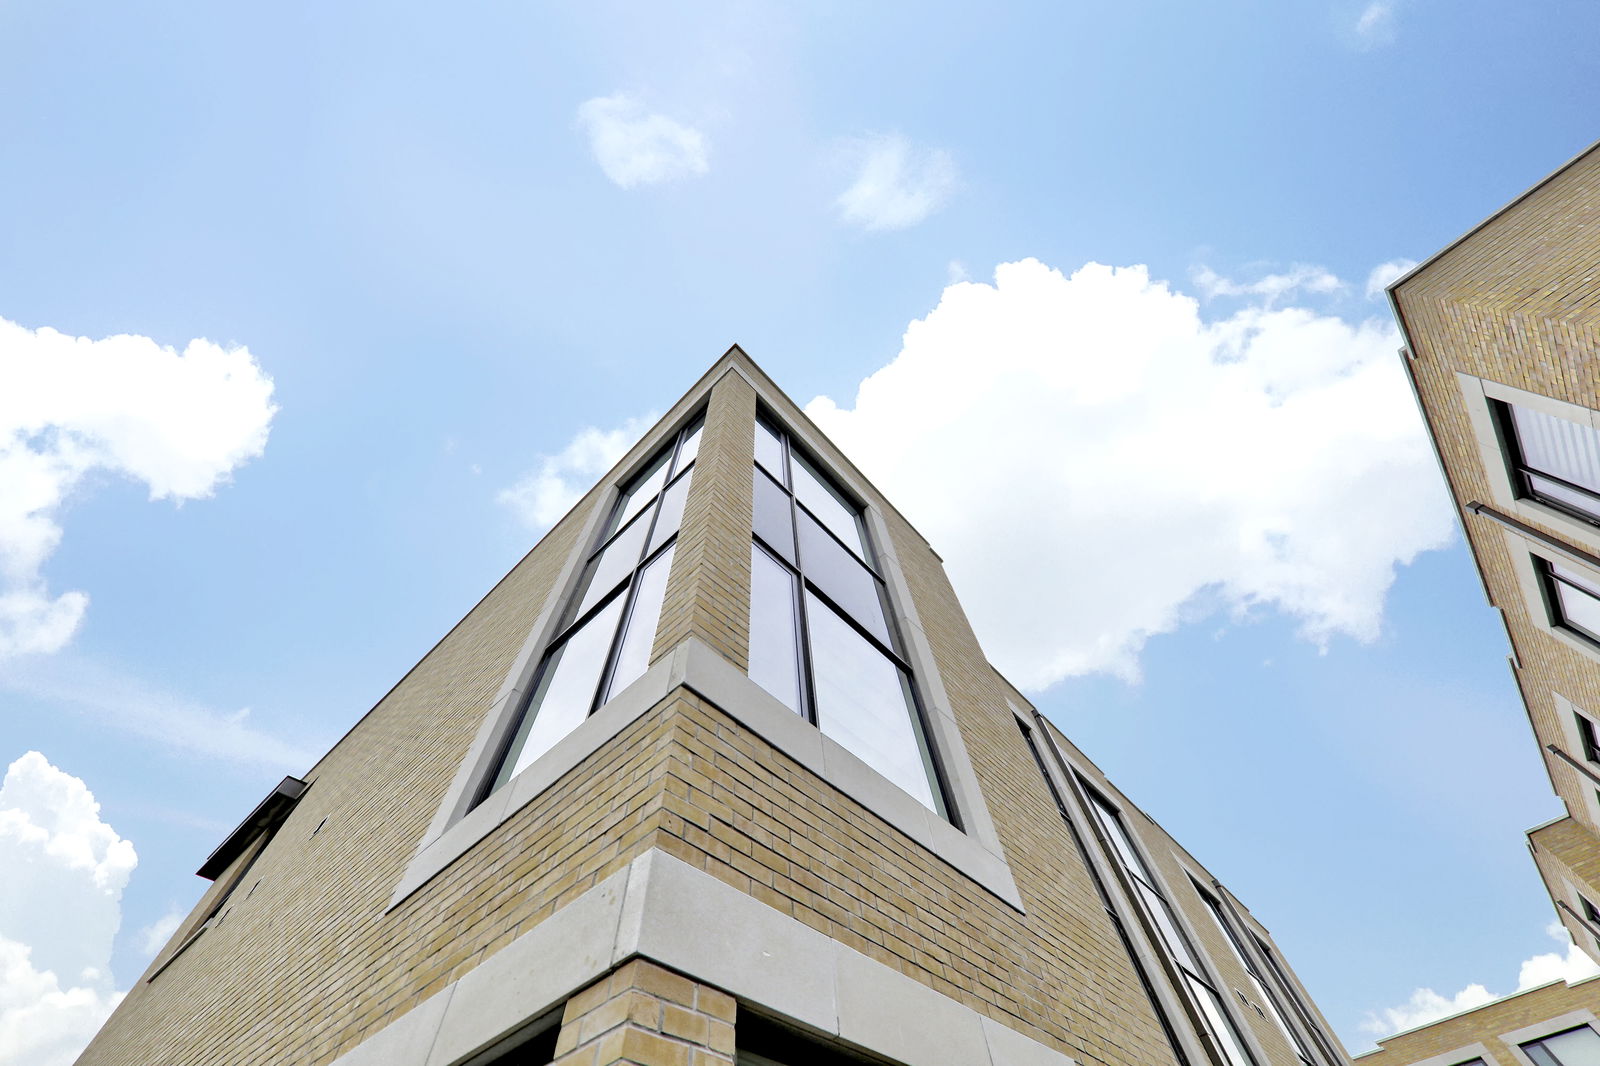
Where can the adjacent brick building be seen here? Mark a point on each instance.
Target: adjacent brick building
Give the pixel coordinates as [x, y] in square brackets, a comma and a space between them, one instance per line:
[1552, 1025]
[718, 772]
[1502, 334]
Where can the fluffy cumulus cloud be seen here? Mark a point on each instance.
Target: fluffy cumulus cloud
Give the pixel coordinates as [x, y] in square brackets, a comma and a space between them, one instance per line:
[60, 905]
[557, 482]
[69, 406]
[1149, 465]
[1426, 1005]
[1385, 274]
[896, 185]
[635, 146]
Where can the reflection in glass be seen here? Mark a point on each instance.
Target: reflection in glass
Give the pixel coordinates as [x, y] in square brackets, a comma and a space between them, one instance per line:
[1564, 449]
[864, 702]
[774, 649]
[643, 618]
[841, 576]
[671, 513]
[1575, 1047]
[565, 691]
[614, 564]
[1578, 600]
[1220, 1024]
[773, 521]
[813, 490]
[1162, 914]
[769, 451]
[643, 490]
[690, 449]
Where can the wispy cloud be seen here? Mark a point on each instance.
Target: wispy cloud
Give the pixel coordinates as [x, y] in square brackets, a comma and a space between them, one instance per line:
[1375, 26]
[639, 147]
[1269, 288]
[154, 936]
[896, 185]
[115, 701]
[557, 481]
[1385, 274]
[181, 423]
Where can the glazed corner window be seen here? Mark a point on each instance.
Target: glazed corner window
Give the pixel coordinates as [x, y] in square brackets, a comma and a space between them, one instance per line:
[1575, 1047]
[1551, 459]
[606, 632]
[822, 637]
[1573, 598]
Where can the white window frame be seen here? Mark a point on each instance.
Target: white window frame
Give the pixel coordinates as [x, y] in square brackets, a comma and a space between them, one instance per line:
[1478, 393]
[457, 825]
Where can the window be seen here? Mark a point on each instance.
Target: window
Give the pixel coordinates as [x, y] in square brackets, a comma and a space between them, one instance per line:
[822, 636]
[1573, 598]
[1269, 1005]
[604, 639]
[1575, 1047]
[1551, 459]
[1586, 736]
[1201, 989]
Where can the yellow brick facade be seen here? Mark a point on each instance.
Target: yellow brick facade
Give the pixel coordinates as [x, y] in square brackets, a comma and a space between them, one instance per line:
[1478, 1033]
[313, 958]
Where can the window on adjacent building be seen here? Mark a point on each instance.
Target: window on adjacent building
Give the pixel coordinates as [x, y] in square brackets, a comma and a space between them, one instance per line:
[609, 624]
[822, 636]
[1201, 989]
[1264, 996]
[1587, 737]
[1575, 1047]
[1573, 599]
[1551, 459]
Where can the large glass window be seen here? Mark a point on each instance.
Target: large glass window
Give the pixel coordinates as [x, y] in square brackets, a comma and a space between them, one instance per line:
[1573, 598]
[1575, 1047]
[1202, 990]
[1553, 460]
[610, 621]
[822, 637]
[1263, 995]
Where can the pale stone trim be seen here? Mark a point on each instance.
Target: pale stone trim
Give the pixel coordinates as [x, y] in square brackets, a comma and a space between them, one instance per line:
[1549, 1027]
[1572, 743]
[1522, 550]
[663, 909]
[1462, 1054]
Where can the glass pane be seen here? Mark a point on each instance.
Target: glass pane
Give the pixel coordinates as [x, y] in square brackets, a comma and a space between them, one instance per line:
[841, 575]
[864, 702]
[643, 489]
[769, 451]
[643, 617]
[1221, 1027]
[1562, 494]
[1576, 577]
[1568, 450]
[1539, 1055]
[813, 490]
[671, 515]
[773, 523]
[1119, 838]
[614, 565]
[1579, 609]
[774, 651]
[1177, 947]
[690, 449]
[566, 689]
[1575, 1047]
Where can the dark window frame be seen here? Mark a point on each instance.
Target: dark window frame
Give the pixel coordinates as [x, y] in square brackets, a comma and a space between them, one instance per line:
[574, 620]
[1539, 1042]
[1219, 912]
[1588, 736]
[893, 649]
[1521, 473]
[1550, 584]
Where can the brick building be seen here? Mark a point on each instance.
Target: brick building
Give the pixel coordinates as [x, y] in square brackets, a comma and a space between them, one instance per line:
[717, 772]
[1552, 1025]
[1502, 334]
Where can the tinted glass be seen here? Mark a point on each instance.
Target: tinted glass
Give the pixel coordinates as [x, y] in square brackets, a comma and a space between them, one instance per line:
[841, 575]
[1575, 1047]
[614, 564]
[690, 449]
[813, 490]
[864, 702]
[769, 451]
[773, 523]
[1579, 608]
[1577, 577]
[774, 649]
[1119, 838]
[1219, 1024]
[1568, 450]
[643, 489]
[1586, 734]
[566, 689]
[1162, 914]
[643, 618]
[671, 512]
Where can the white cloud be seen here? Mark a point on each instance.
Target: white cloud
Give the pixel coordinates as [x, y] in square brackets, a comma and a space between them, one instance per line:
[60, 905]
[637, 147]
[1270, 288]
[69, 406]
[1151, 466]
[546, 493]
[125, 703]
[896, 185]
[1375, 26]
[1426, 1005]
[1385, 274]
[153, 937]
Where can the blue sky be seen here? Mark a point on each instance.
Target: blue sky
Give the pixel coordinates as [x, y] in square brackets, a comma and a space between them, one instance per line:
[455, 240]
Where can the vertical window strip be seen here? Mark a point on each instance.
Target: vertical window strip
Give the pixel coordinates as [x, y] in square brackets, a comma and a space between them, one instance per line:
[853, 680]
[1263, 993]
[610, 622]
